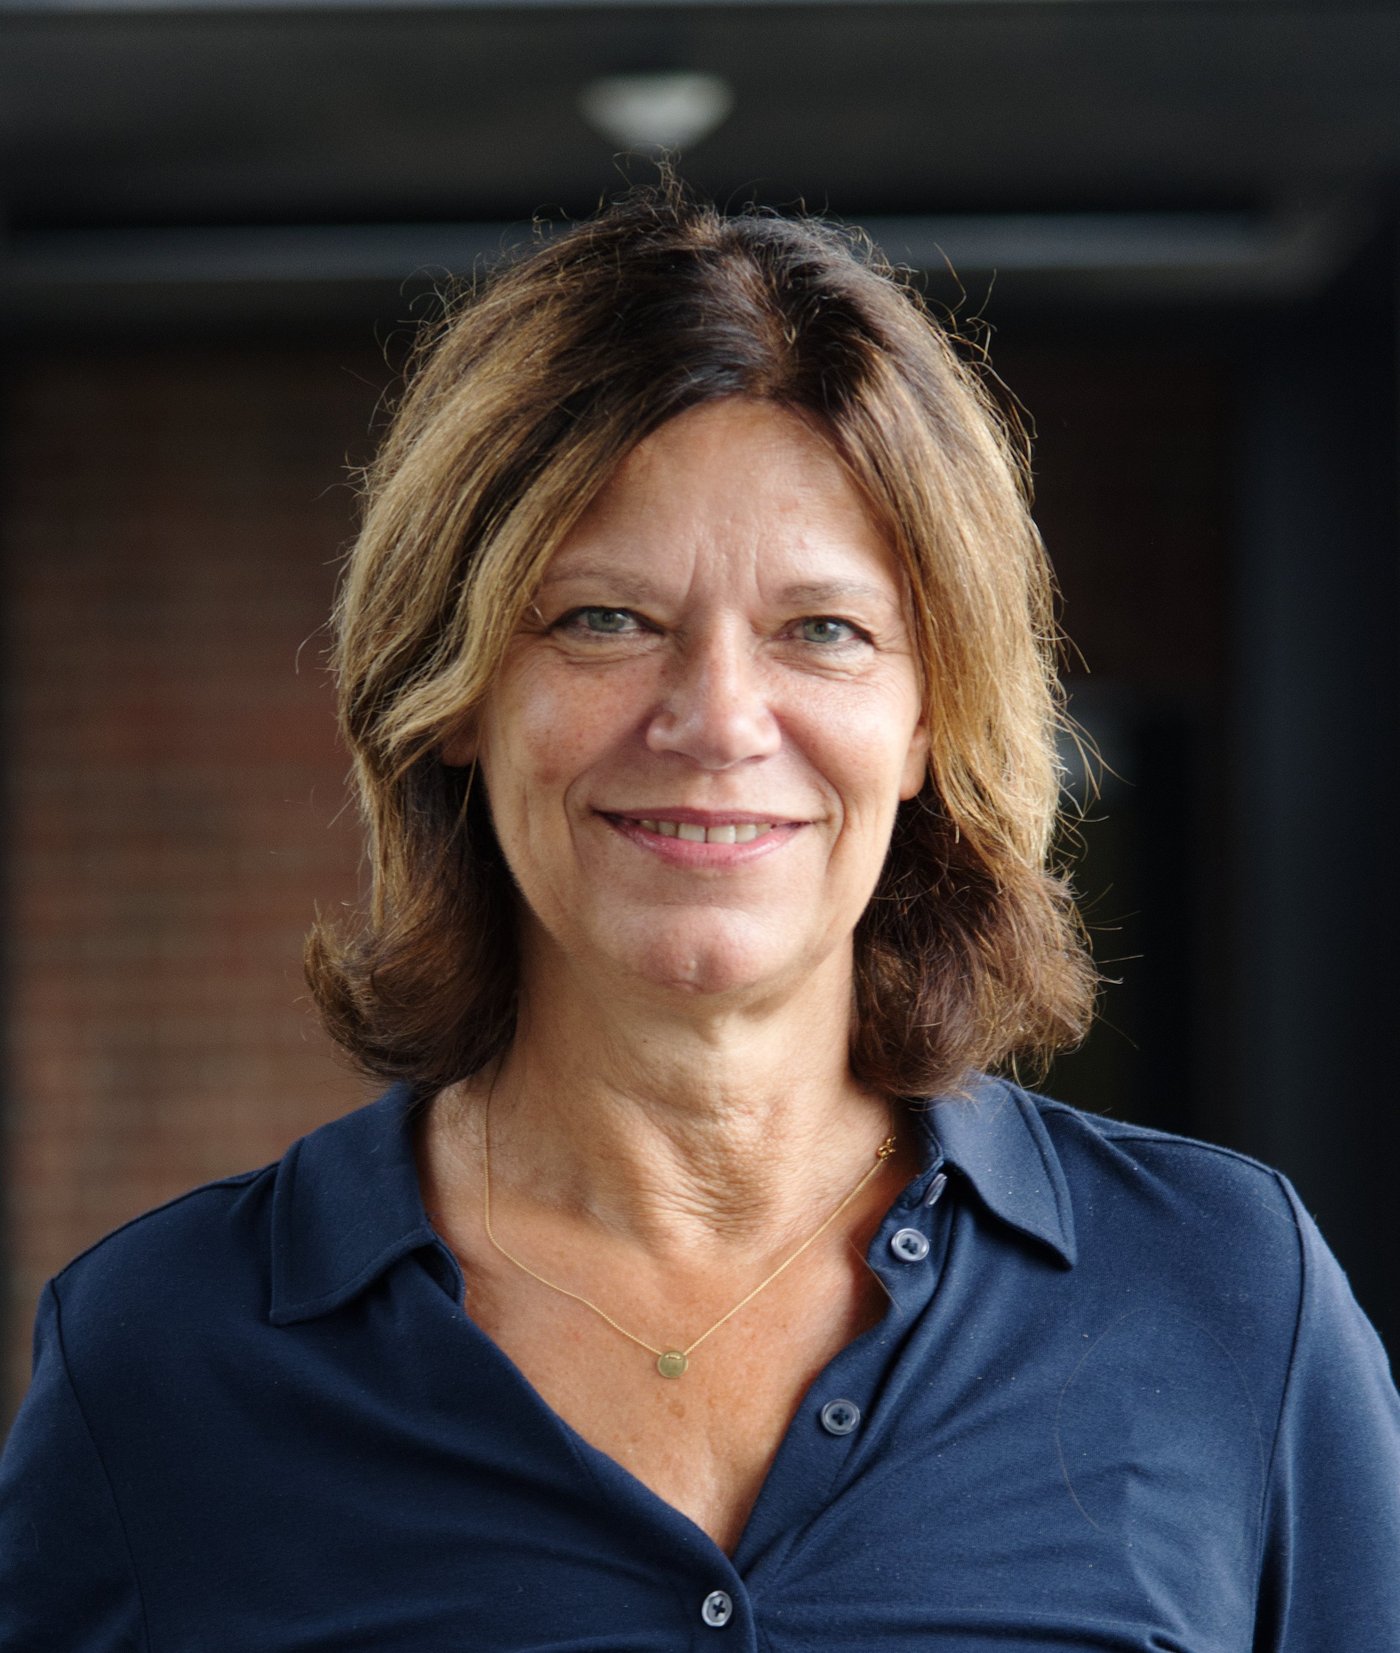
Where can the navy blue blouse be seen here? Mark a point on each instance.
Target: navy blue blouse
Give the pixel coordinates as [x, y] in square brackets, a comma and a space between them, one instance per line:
[1121, 1399]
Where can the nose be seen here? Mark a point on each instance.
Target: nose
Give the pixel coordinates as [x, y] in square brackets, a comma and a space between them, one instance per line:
[716, 708]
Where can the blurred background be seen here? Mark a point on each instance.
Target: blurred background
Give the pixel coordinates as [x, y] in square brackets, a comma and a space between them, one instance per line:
[1175, 220]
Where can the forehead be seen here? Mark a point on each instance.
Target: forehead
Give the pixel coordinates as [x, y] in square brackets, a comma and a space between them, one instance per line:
[739, 481]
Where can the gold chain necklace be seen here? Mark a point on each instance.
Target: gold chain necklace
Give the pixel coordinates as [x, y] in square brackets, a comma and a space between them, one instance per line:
[671, 1363]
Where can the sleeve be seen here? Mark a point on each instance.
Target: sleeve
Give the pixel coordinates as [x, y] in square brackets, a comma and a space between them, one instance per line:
[67, 1584]
[1331, 1564]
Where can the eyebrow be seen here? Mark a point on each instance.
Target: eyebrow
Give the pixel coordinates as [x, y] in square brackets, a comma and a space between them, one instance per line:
[632, 587]
[815, 594]
[820, 593]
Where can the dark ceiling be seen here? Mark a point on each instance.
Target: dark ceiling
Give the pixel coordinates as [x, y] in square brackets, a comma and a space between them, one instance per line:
[1148, 147]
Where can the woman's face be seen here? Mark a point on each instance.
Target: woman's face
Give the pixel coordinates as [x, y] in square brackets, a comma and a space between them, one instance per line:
[700, 735]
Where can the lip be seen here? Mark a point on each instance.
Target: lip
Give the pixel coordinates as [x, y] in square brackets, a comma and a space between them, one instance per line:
[683, 853]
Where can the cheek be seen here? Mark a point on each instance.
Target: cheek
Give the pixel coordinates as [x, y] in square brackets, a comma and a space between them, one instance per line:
[876, 750]
[548, 730]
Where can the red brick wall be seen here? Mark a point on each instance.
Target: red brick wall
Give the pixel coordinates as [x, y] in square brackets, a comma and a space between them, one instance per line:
[171, 525]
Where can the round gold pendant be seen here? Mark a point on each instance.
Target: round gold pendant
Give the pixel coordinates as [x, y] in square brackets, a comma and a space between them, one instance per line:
[671, 1364]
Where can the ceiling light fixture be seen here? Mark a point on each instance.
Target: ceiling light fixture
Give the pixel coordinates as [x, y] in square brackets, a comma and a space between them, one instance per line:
[658, 111]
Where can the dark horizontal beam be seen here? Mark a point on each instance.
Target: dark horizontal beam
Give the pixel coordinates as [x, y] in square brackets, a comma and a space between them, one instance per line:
[1249, 254]
[168, 8]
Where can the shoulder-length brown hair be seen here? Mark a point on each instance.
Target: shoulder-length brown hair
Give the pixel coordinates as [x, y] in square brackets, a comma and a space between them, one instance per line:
[522, 405]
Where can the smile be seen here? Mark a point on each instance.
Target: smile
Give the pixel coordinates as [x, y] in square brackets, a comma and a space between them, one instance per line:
[697, 838]
[691, 832]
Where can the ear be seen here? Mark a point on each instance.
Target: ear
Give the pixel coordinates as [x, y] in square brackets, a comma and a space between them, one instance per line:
[915, 764]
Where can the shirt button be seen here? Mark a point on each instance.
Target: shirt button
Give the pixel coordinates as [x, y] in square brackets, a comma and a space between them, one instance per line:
[717, 1609]
[909, 1246]
[839, 1417]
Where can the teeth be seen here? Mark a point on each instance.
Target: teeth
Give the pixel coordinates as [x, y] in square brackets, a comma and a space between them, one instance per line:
[730, 833]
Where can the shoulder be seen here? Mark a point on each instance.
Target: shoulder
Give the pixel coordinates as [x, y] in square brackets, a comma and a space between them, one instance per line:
[1173, 1189]
[1131, 1203]
[1190, 1156]
[1152, 1249]
[207, 1250]
[1214, 1278]
[220, 1265]
[166, 1231]
[1179, 1242]
[1226, 1240]
[1222, 1239]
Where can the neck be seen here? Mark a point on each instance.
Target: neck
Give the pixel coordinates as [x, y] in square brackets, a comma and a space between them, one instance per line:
[688, 1134]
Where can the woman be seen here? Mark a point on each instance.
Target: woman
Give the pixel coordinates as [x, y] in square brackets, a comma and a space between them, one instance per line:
[693, 1286]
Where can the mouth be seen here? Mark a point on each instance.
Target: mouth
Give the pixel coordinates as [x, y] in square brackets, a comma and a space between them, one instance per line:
[695, 826]
[691, 832]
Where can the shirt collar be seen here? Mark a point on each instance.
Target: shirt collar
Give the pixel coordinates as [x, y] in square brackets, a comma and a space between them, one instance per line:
[346, 1202]
[993, 1133]
[345, 1205]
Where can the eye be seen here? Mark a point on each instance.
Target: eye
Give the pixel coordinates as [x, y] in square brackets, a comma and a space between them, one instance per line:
[827, 630]
[599, 622]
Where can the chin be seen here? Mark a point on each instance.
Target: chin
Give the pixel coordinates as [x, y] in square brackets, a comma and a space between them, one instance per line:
[712, 963]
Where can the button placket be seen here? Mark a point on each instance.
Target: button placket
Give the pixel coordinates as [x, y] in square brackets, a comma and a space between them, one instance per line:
[815, 1461]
